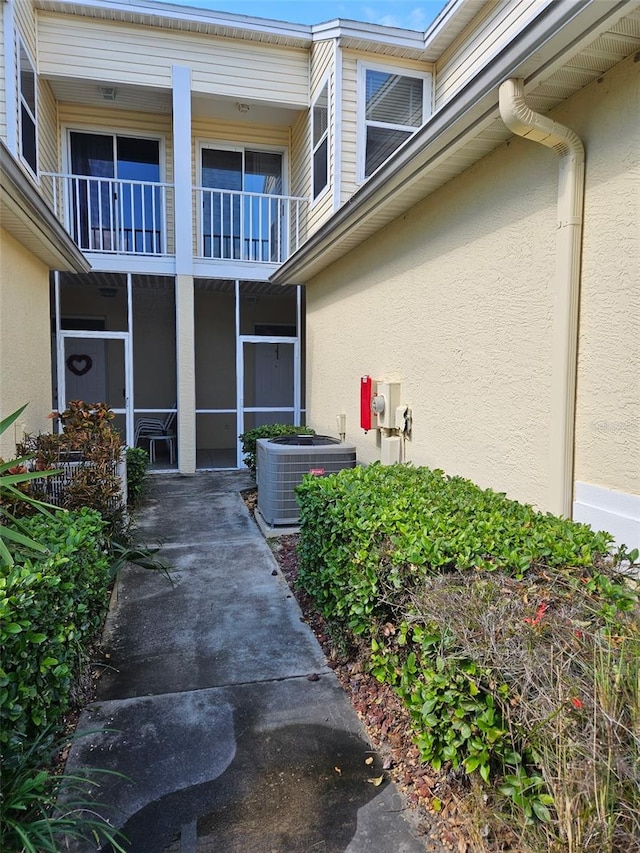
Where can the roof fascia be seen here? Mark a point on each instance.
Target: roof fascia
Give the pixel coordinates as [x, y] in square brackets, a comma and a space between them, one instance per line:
[20, 199]
[444, 27]
[392, 36]
[169, 12]
[475, 103]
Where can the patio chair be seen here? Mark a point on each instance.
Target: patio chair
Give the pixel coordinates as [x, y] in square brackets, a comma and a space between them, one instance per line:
[154, 430]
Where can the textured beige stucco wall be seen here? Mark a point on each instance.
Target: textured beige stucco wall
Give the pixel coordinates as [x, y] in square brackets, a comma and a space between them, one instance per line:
[455, 301]
[25, 341]
[607, 116]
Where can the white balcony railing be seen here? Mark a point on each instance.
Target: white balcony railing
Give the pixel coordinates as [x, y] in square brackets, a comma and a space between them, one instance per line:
[245, 226]
[111, 215]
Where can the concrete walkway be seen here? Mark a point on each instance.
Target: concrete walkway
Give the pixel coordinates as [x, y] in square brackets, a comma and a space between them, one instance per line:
[209, 710]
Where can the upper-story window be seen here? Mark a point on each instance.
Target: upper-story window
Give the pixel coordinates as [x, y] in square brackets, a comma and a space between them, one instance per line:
[28, 112]
[392, 106]
[320, 137]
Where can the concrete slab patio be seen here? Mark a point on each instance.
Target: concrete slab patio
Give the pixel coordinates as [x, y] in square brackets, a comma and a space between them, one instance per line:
[207, 708]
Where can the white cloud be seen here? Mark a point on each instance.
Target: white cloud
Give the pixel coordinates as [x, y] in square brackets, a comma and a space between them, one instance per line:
[411, 19]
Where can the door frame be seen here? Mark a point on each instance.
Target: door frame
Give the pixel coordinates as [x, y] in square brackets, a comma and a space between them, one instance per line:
[63, 335]
[67, 129]
[293, 410]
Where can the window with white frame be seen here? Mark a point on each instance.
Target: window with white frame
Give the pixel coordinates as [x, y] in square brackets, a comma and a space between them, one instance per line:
[320, 139]
[28, 112]
[392, 107]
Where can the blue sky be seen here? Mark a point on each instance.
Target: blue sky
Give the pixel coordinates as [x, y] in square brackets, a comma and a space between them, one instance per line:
[412, 14]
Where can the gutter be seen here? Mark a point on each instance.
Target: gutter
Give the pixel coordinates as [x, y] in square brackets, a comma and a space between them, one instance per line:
[523, 121]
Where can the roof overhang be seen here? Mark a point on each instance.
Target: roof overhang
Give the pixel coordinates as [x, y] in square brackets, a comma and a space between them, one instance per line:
[27, 217]
[462, 130]
[426, 46]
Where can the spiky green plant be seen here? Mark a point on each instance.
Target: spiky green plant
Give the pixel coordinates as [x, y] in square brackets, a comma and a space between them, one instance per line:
[14, 474]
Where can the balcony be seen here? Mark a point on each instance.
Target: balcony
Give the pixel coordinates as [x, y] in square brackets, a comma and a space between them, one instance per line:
[245, 226]
[116, 217]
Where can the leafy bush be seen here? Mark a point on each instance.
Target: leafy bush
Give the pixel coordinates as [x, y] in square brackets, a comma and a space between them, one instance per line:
[89, 453]
[49, 610]
[371, 535]
[137, 465]
[503, 630]
[248, 439]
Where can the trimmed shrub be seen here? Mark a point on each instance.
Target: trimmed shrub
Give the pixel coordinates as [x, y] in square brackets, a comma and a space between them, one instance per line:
[248, 439]
[137, 465]
[513, 643]
[369, 536]
[50, 609]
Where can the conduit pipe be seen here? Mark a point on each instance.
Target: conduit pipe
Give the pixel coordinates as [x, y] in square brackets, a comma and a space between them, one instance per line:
[523, 121]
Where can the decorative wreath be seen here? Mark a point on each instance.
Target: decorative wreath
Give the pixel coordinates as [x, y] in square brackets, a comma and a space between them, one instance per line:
[79, 364]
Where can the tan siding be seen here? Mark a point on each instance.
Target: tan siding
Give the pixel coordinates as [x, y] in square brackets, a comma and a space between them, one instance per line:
[3, 87]
[25, 22]
[47, 135]
[321, 69]
[125, 53]
[605, 115]
[240, 133]
[301, 160]
[321, 63]
[349, 125]
[488, 33]
[300, 156]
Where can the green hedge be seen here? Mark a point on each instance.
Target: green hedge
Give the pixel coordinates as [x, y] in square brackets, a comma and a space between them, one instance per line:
[457, 591]
[248, 439]
[371, 535]
[50, 608]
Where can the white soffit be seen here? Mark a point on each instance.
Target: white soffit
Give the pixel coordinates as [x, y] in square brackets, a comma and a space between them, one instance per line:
[25, 216]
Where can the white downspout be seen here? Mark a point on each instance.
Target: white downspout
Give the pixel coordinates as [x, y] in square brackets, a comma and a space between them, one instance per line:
[523, 121]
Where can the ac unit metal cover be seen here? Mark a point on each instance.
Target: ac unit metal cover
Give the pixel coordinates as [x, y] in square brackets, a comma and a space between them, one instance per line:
[282, 462]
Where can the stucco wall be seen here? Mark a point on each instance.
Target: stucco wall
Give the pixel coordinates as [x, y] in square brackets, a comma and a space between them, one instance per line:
[25, 341]
[608, 399]
[455, 301]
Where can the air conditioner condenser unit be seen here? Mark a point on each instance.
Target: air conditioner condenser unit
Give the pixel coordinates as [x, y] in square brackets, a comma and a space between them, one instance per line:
[282, 463]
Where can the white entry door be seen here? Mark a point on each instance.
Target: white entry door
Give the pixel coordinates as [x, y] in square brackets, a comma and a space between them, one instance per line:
[85, 370]
[268, 382]
[96, 368]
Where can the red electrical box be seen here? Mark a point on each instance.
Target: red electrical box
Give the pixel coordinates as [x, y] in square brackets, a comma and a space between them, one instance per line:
[367, 390]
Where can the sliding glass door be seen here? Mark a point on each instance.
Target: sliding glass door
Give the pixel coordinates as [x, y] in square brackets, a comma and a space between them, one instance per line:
[242, 214]
[114, 205]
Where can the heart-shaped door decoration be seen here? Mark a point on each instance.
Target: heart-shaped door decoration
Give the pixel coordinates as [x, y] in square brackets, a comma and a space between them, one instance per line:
[79, 364]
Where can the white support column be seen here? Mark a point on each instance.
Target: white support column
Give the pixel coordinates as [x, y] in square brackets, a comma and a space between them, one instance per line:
[239, 376]
[183, 219]
[10, 77]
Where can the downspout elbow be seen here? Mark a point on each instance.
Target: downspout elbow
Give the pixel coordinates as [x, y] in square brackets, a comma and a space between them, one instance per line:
[525, 122]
